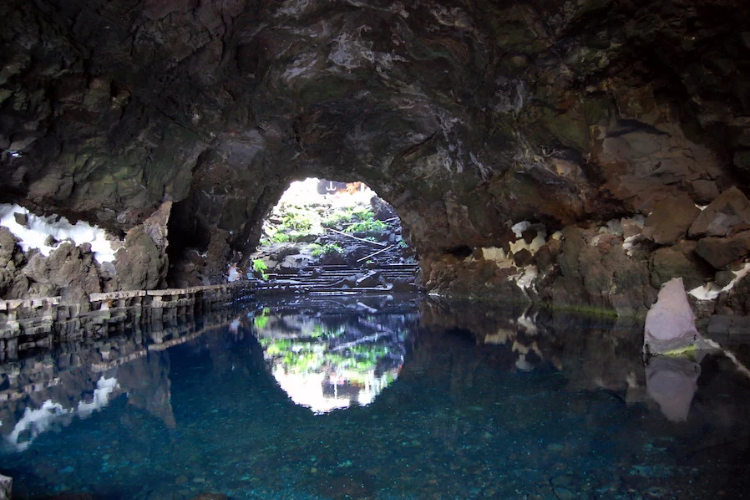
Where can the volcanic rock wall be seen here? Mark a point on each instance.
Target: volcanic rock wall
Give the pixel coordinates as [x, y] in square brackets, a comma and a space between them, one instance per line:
[579, 120]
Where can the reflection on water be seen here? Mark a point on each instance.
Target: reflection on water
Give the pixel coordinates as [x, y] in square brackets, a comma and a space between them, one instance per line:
[330, 362]
[672, 383]
[443, 400]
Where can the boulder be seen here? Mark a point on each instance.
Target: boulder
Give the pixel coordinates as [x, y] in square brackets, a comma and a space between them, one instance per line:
[381, 209]
[670, 323]
[140, 265]
[294, 263]
[670, 220]
[721, 215]
[523, 257]
[670, 262]
[721, 252]
[704, 192]
[69, 271]
[369, 280]
[737, 300]
[143, 263]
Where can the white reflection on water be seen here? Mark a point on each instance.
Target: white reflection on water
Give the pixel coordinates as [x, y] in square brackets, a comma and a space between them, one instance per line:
[36, 422]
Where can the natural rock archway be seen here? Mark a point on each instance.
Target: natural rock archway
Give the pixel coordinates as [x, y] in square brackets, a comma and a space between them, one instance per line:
[468, 117]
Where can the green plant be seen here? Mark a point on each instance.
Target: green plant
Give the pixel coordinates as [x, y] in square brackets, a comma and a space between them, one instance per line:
[260, 268]
[281, 238]
[373, 225]
[326, 249]
[363, 214]
[338, 218]
[298, 220]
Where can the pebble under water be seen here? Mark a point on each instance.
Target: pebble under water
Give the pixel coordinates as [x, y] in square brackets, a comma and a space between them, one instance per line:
[405, 399]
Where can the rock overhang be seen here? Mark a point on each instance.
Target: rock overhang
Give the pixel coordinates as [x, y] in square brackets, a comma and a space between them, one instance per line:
[467, 118]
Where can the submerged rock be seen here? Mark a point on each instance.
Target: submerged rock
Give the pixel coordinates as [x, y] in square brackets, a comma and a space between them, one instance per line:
[670, 323]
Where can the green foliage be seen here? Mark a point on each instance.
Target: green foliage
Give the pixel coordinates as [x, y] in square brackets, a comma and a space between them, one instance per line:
[401, 243]
[350, 215]
[338, 218]
[260, 268]
[297, 220]
[315, 249]
[281, 238]
[366, 226]
[326, 249]
[363, 214]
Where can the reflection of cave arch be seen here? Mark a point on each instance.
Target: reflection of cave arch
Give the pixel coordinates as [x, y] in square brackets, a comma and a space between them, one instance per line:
[326, 363]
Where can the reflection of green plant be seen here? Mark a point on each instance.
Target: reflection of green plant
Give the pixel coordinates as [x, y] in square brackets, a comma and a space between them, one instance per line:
[320, 330]
[278, 346]
[261, 321]
[260, 267]
[300, 356]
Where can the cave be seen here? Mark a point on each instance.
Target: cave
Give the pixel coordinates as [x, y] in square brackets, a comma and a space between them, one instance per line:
[468, 119]
[565, 162]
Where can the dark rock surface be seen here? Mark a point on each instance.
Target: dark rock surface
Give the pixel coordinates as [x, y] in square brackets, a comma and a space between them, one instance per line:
[721, 252]
[670, 220]
[467, 118]
[728, 210]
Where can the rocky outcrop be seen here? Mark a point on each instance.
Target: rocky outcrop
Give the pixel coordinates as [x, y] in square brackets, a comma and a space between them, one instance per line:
[73, 272]
[142, 264]
[670, 220]
[468, 119]
[722, 215]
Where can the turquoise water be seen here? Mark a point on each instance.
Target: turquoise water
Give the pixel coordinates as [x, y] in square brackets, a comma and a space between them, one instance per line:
[423, 400]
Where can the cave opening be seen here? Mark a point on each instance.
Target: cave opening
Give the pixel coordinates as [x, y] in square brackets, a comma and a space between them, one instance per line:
[322, 222]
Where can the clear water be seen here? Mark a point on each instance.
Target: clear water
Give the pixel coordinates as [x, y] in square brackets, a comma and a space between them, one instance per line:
[421, 400]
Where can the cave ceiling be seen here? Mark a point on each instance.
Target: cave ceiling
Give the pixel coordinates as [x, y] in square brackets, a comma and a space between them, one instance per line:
[467, 116]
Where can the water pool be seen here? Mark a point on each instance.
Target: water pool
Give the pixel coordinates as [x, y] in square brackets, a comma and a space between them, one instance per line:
[416, 400]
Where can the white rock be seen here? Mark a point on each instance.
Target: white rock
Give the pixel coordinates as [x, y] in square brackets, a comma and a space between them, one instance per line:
[670, 323]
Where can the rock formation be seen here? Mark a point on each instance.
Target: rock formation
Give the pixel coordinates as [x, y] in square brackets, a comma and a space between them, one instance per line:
[579, 118]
